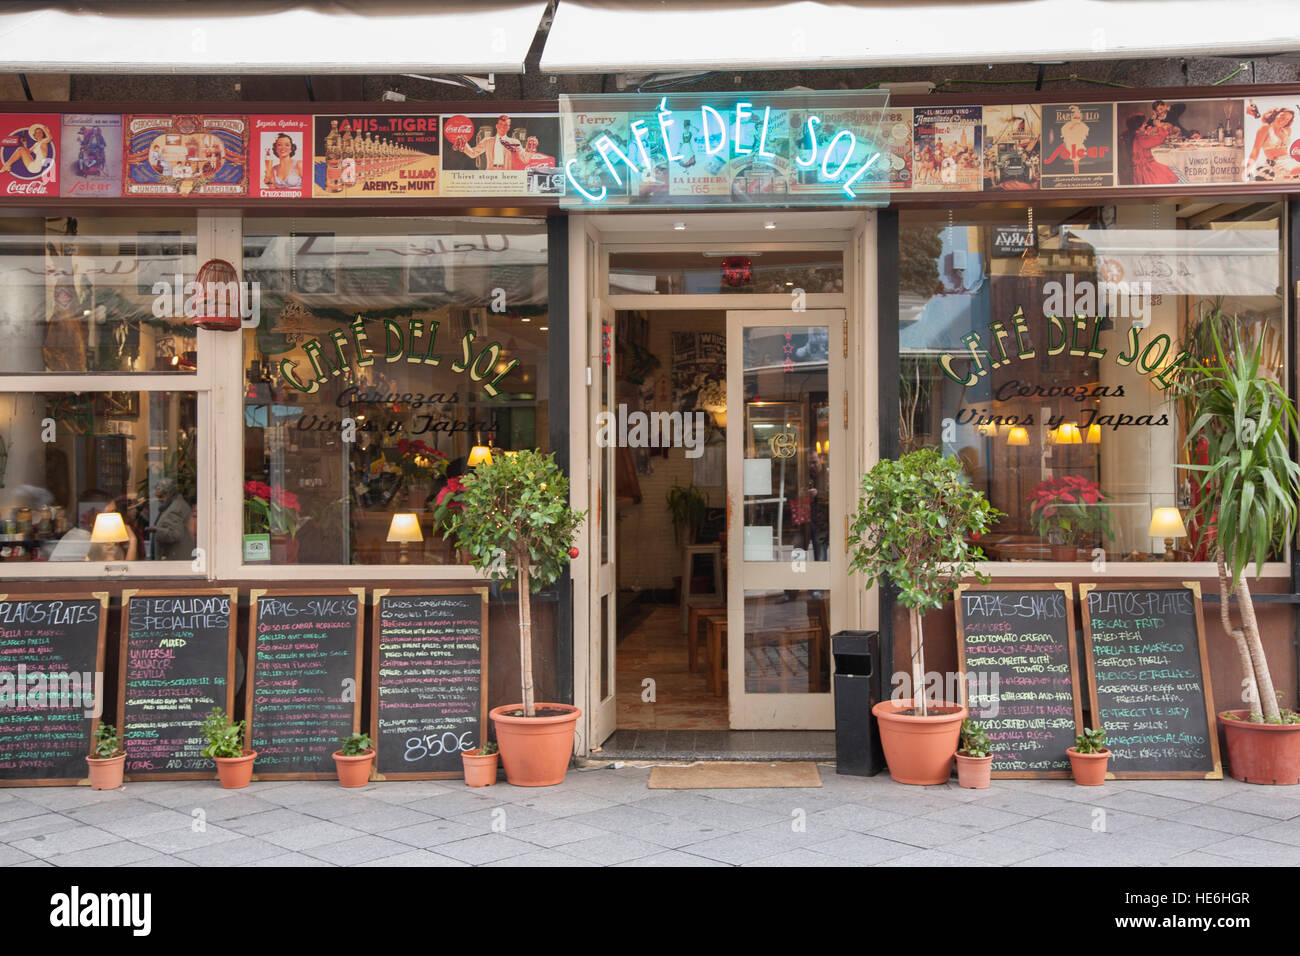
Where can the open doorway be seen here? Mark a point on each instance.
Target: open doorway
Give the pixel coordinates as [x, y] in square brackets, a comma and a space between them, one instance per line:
[671, 520]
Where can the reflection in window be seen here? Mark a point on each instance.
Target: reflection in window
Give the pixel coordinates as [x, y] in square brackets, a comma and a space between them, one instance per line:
[1042, 357]
[69, 461]
[392, 355]
[84, 296]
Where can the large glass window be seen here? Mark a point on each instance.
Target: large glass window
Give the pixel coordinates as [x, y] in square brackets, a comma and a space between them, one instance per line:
[85, 296]
[1039, 347]
[391, 355]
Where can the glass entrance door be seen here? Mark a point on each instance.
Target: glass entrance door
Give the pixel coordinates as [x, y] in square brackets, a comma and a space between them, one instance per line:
[786, 537]
[604, 590]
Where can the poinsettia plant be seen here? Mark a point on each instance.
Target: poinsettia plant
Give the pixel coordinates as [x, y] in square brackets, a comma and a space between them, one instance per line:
[419, 460]
[270, 509]
[449, 501]
[1065, 509]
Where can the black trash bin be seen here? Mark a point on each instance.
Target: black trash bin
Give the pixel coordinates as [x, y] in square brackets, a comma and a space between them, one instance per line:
[857, 690]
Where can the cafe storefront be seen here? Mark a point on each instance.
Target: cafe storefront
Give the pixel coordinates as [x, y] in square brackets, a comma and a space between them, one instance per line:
[769, 294]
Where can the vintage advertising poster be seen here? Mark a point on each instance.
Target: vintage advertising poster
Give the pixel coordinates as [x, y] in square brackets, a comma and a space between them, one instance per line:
[277, 157]
[185, 155]
[1013, 140]
[376, 156]
[29, 161]
[844, 139]
[500, 154]
[1272, 140]
[91, 160]
[735, 170]
[1078, 145]
[1163, 143]
[946, 152]
[581, 132]
[894, 140]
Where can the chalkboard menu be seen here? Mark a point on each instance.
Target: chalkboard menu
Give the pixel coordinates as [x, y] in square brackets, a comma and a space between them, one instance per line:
[1149, 679]
[177, 662]
[304, 671]
[430, 661]
[1017, 656]
[51, 686]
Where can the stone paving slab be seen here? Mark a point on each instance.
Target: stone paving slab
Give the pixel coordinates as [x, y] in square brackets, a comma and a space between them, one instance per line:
[610, 817]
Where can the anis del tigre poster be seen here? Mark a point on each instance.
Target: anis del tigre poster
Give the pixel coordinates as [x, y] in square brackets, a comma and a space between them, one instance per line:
[946, 153]
[91, 160]
[185, 155]
[376, 156]
[29, 162]
[1013, 154]
[1078, 145]
[500, 154]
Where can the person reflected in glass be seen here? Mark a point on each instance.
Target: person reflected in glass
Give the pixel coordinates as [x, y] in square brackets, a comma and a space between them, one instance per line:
[172, 539]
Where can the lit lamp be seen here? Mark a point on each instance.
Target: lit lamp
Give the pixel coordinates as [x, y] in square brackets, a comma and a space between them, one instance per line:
[1094, 434]
[479, 455]
[1167, 523]
[404, 529]
[109, 530]
[1018, 435]
[988, 429]
[1067, 433]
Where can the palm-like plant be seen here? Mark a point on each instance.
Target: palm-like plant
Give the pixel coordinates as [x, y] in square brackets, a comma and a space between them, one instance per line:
[1251, 487]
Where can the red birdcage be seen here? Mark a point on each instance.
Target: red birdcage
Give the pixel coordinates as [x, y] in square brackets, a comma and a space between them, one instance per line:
[222, 295]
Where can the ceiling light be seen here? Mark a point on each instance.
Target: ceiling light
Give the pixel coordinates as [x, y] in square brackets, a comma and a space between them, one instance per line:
[679, 226]
[769, 224]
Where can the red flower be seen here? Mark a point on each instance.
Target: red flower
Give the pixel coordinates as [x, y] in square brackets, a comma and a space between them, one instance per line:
[454, 486]
[258, 489]
[285, 499]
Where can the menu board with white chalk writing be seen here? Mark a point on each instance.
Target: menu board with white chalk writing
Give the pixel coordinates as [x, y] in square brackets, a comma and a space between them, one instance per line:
[1149, 679]
[1016, 649]
[177, 662]
[51, 686]
[430, 665]
[304, 676]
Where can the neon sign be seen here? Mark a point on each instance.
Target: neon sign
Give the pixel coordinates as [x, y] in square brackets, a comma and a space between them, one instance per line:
[769, 149]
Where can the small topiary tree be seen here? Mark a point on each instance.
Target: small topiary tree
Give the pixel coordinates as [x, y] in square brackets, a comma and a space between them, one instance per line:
[914, 520]
[515, 522]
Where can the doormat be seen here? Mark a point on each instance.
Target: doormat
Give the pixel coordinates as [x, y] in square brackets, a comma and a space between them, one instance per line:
[712, 775]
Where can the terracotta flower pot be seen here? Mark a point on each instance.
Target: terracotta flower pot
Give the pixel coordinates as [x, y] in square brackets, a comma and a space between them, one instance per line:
[480, 768]
[235, 773]
[106, 772]
[1064, 552]
[1261, 753]
[354, 771]
[919, 750]
[1089, 769]
[535, 751]
[974, 773]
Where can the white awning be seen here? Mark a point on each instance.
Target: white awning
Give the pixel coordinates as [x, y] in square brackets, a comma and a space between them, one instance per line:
[269, 36]
[643, 36]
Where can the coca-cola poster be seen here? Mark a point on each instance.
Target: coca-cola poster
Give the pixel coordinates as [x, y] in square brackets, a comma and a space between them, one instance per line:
[29, 160]
[1078, 145]
[90, 161]
[375, 156]
[279, 161]
[492, 154]
[185, 155]
[1272, 139]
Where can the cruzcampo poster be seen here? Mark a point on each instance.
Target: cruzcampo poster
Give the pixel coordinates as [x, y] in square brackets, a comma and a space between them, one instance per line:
[278, 157]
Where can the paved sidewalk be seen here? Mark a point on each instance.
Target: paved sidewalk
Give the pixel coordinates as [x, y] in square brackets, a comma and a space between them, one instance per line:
[610, 817]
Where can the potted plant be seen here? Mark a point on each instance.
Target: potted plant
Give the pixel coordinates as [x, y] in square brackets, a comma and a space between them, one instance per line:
[226, 747]
[1088, 757]
[480, 765]
[974, 756]
[515, 523]
[1244, 422]
[272, 511]
[1064, 510]
[914, 526]
[354, 761]
[107, 758]
[688, 507]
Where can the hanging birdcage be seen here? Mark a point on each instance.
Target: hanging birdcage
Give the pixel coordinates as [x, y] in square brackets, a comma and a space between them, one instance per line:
[219, 287]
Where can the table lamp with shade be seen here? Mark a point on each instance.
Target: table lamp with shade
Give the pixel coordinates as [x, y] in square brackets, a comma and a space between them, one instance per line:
[110, 530]
[1167, 523]
[404, 529]
[479, 455]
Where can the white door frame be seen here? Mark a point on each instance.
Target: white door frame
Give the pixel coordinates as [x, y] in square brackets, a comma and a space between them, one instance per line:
[854, 232]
